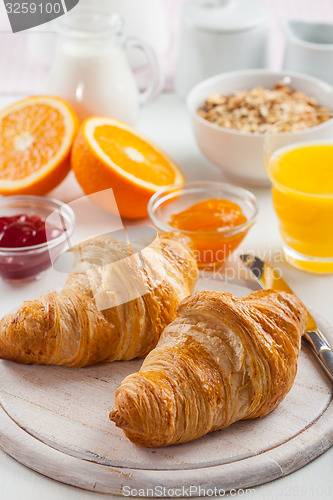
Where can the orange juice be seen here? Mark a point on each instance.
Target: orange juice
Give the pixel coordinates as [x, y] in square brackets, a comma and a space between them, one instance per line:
[302, 177]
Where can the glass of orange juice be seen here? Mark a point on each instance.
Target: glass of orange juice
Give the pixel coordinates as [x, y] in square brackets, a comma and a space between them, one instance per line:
[301, 171]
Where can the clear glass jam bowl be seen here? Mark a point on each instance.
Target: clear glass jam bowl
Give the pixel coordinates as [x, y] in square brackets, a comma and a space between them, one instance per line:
[28, 262]
[212, 247]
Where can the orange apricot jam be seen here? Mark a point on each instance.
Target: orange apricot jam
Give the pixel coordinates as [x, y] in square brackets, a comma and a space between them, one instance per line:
[212, 228]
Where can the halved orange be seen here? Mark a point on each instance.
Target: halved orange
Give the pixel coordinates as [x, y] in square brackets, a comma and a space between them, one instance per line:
[108, 153]
[36, 135]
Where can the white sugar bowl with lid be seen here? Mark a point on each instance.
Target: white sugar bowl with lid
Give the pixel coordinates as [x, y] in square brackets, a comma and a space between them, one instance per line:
[218, 36]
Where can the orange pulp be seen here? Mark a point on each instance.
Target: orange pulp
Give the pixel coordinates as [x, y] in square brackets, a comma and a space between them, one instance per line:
[212, 226]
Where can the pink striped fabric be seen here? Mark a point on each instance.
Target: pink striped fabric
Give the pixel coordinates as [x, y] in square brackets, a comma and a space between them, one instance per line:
[21, 72]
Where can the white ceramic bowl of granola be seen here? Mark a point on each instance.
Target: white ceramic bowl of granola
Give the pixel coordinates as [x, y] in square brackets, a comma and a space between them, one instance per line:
[241, 154]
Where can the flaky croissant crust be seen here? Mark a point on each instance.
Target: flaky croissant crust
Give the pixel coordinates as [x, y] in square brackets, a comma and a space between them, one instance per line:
[114, 311]
[223, 359]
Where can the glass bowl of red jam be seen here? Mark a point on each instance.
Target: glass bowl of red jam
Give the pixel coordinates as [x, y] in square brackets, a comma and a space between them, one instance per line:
[34, 230]
[214, 215]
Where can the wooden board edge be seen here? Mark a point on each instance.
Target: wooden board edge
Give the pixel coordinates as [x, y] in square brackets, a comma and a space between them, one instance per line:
[247, 473]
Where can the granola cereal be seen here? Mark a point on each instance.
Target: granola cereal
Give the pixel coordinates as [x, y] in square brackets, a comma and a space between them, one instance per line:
[260, 110]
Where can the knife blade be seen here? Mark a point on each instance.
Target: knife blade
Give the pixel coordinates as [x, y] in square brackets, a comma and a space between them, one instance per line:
[267, 277]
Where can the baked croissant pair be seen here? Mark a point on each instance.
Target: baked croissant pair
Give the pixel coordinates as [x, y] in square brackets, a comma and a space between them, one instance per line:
[221, 360]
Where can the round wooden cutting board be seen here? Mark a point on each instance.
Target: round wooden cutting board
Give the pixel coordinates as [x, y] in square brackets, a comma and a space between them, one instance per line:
[55, 421]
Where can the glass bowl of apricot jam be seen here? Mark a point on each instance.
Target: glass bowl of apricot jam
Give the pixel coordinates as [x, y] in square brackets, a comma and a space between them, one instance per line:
[214, 215]
[34, 230]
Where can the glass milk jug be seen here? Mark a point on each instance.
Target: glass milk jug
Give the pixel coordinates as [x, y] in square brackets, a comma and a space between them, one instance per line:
[90, 69]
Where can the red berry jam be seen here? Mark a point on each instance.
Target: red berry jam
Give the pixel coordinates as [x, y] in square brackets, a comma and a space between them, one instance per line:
[24, 230]
[20, 231]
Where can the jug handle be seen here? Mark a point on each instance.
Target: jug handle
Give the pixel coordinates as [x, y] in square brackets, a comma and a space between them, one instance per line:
[155, 86]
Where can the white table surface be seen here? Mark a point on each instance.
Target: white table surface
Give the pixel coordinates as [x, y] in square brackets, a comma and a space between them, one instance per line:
[166, 122]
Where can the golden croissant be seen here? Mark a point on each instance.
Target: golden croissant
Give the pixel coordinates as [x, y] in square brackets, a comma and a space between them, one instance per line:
[223, 359]
[116, 310]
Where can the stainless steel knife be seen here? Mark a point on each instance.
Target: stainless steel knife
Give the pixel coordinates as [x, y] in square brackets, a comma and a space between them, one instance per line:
[267, 277]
